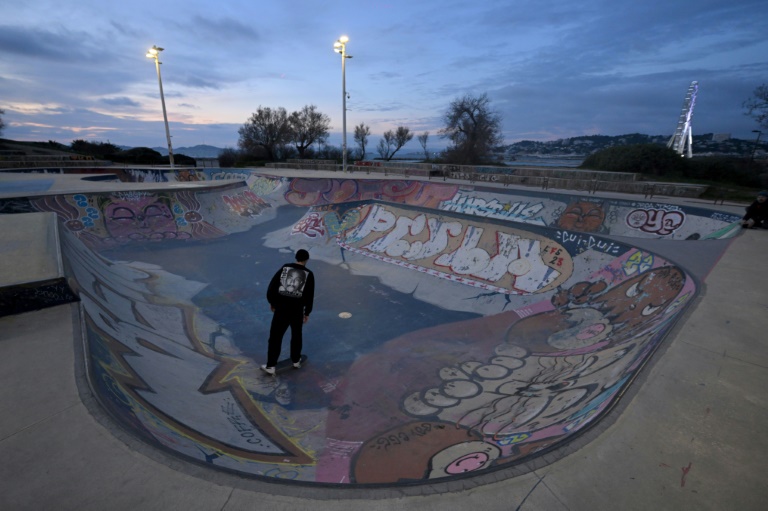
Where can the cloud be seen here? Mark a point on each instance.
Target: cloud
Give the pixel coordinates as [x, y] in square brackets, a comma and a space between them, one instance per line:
[120, 101]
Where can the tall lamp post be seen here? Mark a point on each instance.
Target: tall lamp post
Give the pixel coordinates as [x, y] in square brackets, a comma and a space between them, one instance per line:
[340, 46]
[757, 141]
[154, 53]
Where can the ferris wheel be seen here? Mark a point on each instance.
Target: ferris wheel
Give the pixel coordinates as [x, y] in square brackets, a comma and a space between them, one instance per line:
[682, 140]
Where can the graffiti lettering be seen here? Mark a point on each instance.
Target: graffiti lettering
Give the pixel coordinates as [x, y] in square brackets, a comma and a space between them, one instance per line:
[313, 192]
[725, 217]
[468, 254]
[587, 242]
[638, 263]
[246, 203]
[400, 438]
[656, 220]
[311, 226]
[513, 439]
[518, 211]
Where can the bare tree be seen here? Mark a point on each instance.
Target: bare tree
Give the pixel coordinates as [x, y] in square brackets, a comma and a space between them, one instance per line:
[393, 141]
[308, 126]
[386, 144]
[473, 129]
[423, 141]
[757, 106]
[403, 135]
[362, 132]
[266, 128]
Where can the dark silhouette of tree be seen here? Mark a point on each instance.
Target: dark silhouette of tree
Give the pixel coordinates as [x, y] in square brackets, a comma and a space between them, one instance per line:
[99, 150]
[228, 157]
[267, 129]
[308, 126]
[423, 141]
[757, 106]
[473, 128]
[362, 132]
[392, 141]
[2, 123]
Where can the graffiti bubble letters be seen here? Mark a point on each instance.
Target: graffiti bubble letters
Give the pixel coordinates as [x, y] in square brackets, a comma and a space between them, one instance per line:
[310, 226]
[245, 204]
[518, 211]
[656, 221]
[507, 261]
[638, 263]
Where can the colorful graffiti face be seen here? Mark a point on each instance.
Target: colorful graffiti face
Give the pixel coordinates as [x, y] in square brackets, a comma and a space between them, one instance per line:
[634, 302]
[591, 313]
[582, 216]
[463, 458]
[139, 217]
[422, 450]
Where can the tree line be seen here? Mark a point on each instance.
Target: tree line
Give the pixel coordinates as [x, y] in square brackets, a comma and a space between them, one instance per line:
[658, 161]
[471, 126]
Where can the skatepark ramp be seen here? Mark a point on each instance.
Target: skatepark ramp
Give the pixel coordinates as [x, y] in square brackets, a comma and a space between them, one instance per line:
[457, 329]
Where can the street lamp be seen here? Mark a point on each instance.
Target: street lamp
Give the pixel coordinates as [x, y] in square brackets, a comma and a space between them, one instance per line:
[154, 53]
[757, 140]
[340, 46]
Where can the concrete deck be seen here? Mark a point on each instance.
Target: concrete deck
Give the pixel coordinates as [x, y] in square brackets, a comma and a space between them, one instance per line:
[688, 434]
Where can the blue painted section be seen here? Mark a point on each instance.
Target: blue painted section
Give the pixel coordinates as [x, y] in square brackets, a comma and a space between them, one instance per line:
[33, 185]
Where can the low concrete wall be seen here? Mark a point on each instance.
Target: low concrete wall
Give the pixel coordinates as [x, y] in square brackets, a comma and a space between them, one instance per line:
[31, 274]
[592, 181]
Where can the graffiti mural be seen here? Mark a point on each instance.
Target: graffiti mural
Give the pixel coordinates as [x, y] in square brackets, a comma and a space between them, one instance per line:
[105, 220]
[655, 221]
[480, 255]
[517, 211]
[561, 320]
[314, 192]
[582, 216]
[245, 203]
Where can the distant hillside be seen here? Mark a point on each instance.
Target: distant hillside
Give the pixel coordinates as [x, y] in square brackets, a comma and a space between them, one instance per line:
[198, 151]
[583, 146]
[34, 148]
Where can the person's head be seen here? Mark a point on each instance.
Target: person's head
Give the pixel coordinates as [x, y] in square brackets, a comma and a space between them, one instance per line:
[762, 196]
[302, 256]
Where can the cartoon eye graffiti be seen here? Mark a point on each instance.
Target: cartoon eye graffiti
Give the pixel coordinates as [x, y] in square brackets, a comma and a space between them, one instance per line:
[650, 309]
[634, 290]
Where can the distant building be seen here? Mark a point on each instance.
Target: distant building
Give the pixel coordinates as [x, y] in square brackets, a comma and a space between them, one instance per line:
[720, 137]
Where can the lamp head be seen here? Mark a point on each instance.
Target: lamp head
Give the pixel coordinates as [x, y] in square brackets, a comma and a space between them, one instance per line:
[154, 52]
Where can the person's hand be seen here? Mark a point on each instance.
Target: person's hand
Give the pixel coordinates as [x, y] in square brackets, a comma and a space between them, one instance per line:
[272, 308]
[306, 318]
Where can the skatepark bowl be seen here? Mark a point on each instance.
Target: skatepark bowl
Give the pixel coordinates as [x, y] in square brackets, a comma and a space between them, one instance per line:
[457, 329]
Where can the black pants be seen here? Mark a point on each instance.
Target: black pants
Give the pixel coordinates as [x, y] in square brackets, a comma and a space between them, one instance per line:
[281, 320]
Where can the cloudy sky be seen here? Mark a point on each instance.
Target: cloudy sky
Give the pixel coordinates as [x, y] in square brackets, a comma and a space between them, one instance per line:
[77, 69]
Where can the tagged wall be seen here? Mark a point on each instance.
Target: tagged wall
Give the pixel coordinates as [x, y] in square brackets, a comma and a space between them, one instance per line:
[565, 320]
[643, 219]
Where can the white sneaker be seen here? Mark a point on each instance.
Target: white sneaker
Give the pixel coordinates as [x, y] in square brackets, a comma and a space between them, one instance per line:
[297, 365]
[268, 370]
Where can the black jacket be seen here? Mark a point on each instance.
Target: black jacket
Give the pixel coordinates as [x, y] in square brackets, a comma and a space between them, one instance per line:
[757, 211]
[292, 289]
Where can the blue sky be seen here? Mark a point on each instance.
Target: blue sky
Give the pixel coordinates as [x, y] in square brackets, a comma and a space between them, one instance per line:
[77, 69]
